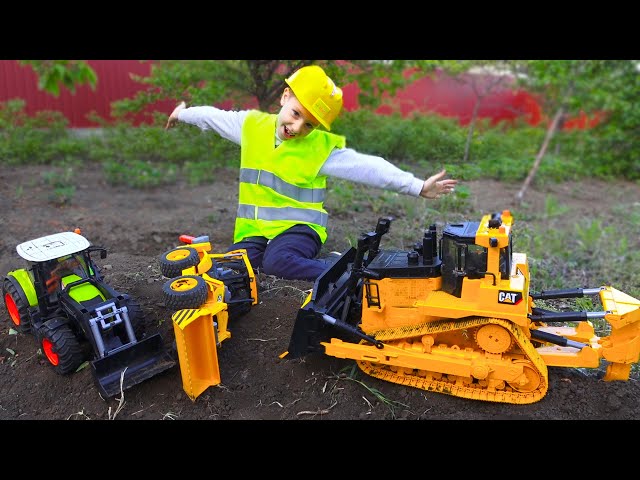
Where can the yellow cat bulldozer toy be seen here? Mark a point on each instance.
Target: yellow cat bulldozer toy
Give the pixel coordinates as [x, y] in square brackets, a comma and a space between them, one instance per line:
[455, 316]
[206, 290]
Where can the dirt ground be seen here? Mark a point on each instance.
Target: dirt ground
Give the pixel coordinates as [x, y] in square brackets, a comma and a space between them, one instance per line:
[137, 226]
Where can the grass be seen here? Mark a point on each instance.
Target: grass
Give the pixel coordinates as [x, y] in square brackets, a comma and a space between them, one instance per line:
[61, 183]
[349, 373]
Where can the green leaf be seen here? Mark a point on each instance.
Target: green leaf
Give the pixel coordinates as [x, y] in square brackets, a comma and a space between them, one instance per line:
[84, 365]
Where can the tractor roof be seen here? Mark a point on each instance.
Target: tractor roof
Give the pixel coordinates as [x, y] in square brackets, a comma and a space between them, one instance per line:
[52, 246]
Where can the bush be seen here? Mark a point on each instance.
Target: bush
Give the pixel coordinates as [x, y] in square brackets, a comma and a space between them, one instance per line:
[419, 143]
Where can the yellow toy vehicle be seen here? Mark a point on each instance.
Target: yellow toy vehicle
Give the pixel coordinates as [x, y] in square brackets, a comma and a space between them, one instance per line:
[206, 290]
[456, 316]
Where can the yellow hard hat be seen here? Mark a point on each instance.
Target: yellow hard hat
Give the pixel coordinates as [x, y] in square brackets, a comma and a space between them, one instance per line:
[317, 93]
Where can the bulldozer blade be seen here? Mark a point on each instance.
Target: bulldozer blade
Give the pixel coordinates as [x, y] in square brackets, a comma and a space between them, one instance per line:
[309, 329]
[139, 361]
[197, 350]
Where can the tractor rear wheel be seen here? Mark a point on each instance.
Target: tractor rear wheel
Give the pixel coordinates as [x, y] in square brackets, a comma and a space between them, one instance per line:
[174, 261]
[187, 291]
[17, 306]
[60, 346]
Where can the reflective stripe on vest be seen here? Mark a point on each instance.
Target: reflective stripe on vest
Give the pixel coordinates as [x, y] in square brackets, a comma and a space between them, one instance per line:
[251, 212]
[268, 179]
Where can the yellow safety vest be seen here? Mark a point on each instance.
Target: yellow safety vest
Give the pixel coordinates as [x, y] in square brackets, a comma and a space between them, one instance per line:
[280, 186]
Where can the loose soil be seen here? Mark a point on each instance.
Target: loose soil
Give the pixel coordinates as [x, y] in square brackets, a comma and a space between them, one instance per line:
[137, 226]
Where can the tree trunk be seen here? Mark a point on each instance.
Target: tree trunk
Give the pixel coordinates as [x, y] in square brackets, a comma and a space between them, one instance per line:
[474, 116]
[543, 149]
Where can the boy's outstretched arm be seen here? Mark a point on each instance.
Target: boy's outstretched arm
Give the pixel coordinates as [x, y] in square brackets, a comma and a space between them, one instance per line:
[173, 118]
[434, 187]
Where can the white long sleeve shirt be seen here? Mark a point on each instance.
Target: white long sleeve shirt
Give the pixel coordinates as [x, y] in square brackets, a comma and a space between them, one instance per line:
[345, 163]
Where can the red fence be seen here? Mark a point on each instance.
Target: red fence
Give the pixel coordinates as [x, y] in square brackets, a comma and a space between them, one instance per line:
[114, 83]
[440, 95]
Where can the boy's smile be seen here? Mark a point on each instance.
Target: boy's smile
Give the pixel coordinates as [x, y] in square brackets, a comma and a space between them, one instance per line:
[294, 121]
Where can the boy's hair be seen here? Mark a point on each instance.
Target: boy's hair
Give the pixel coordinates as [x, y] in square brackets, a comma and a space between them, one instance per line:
[317, 93]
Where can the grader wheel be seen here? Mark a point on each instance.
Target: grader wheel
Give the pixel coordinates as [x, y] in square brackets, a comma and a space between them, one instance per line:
[187, 291]
[173, 262]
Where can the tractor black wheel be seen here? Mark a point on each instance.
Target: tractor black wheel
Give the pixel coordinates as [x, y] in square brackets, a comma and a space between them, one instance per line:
[187, 291]
[60, 346]
[17, 305]
[136, 317]
[173, 262]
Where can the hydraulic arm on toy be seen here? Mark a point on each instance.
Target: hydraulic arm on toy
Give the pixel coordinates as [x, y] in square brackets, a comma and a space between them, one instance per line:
[455, 316]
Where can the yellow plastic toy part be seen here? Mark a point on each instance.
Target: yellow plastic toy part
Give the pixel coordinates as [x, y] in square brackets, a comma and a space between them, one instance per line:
[197, 349]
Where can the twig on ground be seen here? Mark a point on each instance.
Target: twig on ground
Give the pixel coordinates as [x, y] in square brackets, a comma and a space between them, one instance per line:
[303, 293]
[142, 410]
[121, 401]
[262, 339]
[368, 403]
[317, 412]
[81, 412]
[27, 359]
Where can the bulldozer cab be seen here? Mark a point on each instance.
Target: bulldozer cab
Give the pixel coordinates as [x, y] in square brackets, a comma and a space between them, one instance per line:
[476, 250]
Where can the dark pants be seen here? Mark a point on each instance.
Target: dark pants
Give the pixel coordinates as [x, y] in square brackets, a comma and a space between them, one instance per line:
[290, 255]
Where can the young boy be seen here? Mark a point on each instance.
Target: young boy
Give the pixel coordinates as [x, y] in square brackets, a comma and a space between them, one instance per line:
[284, 164]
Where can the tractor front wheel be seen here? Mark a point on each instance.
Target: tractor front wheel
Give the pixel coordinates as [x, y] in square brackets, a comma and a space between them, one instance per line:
[60, 346]
[17, 306]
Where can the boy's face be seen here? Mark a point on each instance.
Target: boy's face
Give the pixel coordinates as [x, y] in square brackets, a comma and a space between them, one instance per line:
[294, 121]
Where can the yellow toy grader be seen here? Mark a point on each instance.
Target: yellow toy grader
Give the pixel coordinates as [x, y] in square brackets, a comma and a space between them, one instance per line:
[455, 316]
[206, 290]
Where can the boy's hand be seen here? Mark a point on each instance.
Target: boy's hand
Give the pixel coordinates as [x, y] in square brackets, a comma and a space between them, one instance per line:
[173, 118]
[434, 187]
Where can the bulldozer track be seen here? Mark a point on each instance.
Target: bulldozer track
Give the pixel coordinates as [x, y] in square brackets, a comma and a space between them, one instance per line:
[457, 386]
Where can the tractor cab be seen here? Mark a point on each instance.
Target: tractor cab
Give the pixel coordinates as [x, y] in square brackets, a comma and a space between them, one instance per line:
[55, 262]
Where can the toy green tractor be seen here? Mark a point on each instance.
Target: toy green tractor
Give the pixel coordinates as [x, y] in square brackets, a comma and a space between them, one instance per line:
[62, 300]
